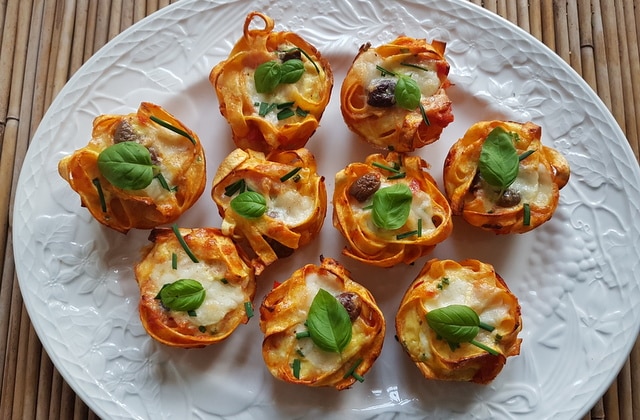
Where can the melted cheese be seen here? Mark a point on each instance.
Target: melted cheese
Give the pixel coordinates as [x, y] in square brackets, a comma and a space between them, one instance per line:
[220, 298]
[427, 80]
[534, 185]
[291, 207]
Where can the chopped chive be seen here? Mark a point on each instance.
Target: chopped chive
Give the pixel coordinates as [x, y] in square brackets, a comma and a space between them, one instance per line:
[174, 261]
[301, 112]
[248, 308]
[183, 243]
[526, 218]
[202, 329]
[369, 207]
[163, 182]
[290, 174]
[103, 203]
[296, 368]
[486, 327]
[172, 128]
[303, 334]
[385, 71]
[419, 227]
[224, 281]
[385, 167]
[352, 371]
[525, 155]
[397, 176]
[231, 189]
[284, 105]
[263, 109]
[497, 339]
[406, 234]
[445, 280]
[192, 313]
[424, 114]
[285, 113]
[485, 348]
[297, 178]
[415, 66]
[300, 353]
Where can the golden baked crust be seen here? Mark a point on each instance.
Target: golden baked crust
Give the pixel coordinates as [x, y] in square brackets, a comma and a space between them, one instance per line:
[283, 314]
[240, 102]
[383, 123]
[295, 198]
[176, 157]
[227, 279]
[476, 285]
[541, 175]
[371, 244]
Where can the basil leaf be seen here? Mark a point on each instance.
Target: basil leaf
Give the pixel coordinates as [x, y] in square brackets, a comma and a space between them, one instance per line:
[454, 323]
[498, 164]
[391, 206]
[328, 323]
[249, 204]
[182, 295]
[407, 92]
[126, 165]
[267, 76]
[292, 71]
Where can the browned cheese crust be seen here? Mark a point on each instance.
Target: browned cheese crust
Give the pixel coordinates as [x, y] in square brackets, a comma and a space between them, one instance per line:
[284, 312]
[221, 269]
[471, 283]
[296, 207]
[182, 162]
[391, 126]
[234, 85]
[544, 173]
[380, 247]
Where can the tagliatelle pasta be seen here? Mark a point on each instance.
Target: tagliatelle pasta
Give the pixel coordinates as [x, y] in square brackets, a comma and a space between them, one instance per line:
[173, 171]
[273, 204]
[537, 173]
[289, 349]
[394, 95]
[451, 285]
[273, 88]
[426, 220]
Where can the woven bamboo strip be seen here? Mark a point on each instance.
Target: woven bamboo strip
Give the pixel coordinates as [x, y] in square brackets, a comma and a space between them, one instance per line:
[101, 32]
[79, 35]
[561, 31]
[56, 395]
[635, 379]
[61, 74]
[522, 15]
[6, 50]
[535, 19]
[491, 5]
[548, 30]
[139, 10]
[586, 43]
[626, 83]
[152, 6]
[89, 42]
[613, 61]
[601, 70]
[56, 9]
[127, 18]
[574, 36]
[44, 392]
[114, 19]
[633, 95]
[624, 391]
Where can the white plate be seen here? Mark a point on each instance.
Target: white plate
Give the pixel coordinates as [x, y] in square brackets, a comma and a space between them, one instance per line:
[573, 276]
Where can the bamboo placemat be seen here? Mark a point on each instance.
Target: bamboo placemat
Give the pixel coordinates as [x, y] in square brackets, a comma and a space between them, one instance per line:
[43, 42]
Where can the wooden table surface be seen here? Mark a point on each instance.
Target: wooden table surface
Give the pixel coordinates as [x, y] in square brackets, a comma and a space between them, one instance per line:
[43, 42]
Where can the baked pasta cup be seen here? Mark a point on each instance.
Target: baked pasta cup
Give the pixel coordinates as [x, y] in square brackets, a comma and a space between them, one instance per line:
[272, 89]
[389, 210]
[139, 170]
[449, 297]
[295, 313]
[501, 178]
[195, 287]
[274, 204]
[394, 97]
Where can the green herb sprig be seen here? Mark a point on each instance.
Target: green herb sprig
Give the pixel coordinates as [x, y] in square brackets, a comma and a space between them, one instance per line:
[391, 206]
[127, 165]
[328, 323]
[182, 295]
[249, 204]
[458, 324]
[270, 74]
[498, 164]
[184, 244]
[173, 128]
